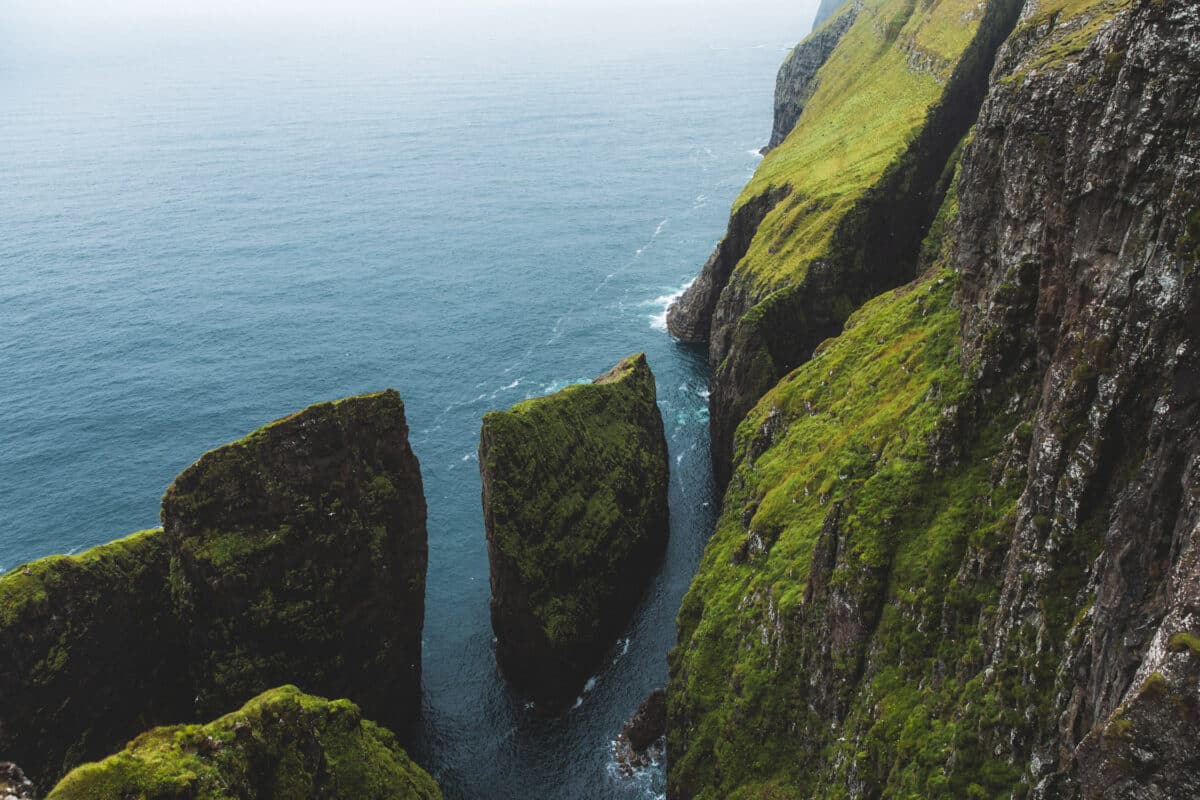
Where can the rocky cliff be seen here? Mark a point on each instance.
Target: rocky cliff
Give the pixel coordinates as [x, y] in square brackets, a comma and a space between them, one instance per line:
[575, 507]
[282, 745]
[958, 553]
[297, 554]
[864, 169]
[301, 552]
[825, 11]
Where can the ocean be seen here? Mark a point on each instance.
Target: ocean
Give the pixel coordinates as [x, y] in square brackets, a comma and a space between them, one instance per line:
[201, 232]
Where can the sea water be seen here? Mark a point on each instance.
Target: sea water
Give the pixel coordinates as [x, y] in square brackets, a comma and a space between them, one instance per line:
[204, 230]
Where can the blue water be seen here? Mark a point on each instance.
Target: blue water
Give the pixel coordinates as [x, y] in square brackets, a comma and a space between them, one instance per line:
[201, 233]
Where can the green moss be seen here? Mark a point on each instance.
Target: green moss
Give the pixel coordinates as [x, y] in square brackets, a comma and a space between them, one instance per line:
[30, 586]
[1184, 641]
[852, 430]
[575, 487]
[282, 744]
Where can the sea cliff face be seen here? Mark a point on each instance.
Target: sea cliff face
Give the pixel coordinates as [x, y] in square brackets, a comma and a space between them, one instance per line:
[575, 509]
[958, 553]
[297, 553]
[300, 551]
[864, 168]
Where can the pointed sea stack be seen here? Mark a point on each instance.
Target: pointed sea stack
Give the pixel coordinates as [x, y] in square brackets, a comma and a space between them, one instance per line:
[575, 506]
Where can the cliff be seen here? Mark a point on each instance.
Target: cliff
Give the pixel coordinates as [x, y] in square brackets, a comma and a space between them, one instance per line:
[825, 11]
[301, 552]
[297, 553]
[575, 508]
[863, 170]
[958, 553]
[282, 745]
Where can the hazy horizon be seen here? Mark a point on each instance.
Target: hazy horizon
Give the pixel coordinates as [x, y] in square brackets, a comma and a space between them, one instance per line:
[37, 26]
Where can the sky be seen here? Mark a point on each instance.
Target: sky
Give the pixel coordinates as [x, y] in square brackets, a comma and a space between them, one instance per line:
[734, 21]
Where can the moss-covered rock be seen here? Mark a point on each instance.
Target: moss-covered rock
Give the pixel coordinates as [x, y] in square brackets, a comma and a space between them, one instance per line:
[282, 745]
[91, 653]
[299, 554]
[294, 555]
[575, 505]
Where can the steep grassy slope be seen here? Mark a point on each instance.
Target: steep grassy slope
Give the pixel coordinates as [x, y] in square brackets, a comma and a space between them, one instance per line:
[863, 171]
[282, 745]
[959, 555]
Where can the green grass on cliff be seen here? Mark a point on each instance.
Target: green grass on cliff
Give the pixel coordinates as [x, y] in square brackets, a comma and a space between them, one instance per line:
[282, 744]
[107, 568]
[867, 108]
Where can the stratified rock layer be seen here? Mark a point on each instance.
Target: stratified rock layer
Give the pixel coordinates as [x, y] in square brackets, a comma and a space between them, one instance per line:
[296, 554]
[282, 745]
[959, 555]
[575, 505]
[301, 550]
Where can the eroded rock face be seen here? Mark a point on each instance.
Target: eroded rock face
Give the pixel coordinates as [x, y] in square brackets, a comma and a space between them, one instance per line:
[575, 506]
[641, 742]
[302, 550]
[297, 554]
[282, 745]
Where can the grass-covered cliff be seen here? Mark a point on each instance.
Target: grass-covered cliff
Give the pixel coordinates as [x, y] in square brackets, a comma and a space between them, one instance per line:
[282, 745]
[575, 507]
[849, 192]
[295, 554]
[959, 554]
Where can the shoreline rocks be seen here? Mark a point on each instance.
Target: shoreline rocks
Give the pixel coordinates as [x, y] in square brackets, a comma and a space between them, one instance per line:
[642, 742]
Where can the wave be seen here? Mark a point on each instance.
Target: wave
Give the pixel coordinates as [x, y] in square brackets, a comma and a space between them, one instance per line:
[658, 320]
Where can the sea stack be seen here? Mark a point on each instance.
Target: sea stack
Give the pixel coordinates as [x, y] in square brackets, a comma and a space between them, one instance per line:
[575, 507]
[302, 552]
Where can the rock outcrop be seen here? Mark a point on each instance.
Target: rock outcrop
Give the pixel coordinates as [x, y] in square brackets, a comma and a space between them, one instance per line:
[575, 506]
[282, 745]
[301, 550]
[958, 555]
[297, 554]
[13, 783]
[641, 742]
